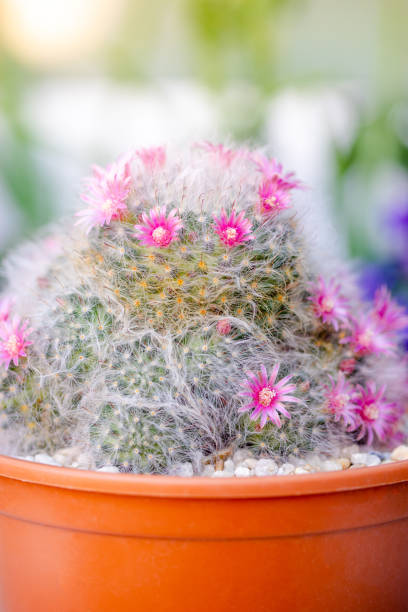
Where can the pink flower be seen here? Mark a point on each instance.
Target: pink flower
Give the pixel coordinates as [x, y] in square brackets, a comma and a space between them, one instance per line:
[348, 365]
[328, 303]
[366, 338]
[387, 313]
[153, 157]
[274, 191]
[107, 193]
[273, 197]
[233, 230]
[13, 341]
[340, 403]
[5, 307]
[267, 397]
[157, 229]
[221, 154]
[376, 415]
[223, 327]
[272, 169]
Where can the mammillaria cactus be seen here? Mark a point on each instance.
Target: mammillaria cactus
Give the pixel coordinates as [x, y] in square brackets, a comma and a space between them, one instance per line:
[181, 318]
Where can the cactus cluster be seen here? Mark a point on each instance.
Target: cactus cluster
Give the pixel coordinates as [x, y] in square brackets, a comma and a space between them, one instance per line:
[181, 317]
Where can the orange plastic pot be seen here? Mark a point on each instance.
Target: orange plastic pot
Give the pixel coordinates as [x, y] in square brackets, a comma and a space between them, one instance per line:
[76, 541]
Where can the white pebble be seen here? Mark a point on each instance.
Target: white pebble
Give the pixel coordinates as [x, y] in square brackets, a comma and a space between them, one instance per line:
[109, 468]
[208, 471]
[285, 469]
[367, 459]
[400, 453]
[309, 468]
[373, 460]
[27, 458]
[240, 455]
[44, 458]
[344, 463]
[83, 462]
[331, 466]
[300, 470]
[66, 456]
[229, 466]
[183, 469]
[347, 451]
[314, 461]
[242, 472]
[265, 467]
[222, 474]
[250, 463]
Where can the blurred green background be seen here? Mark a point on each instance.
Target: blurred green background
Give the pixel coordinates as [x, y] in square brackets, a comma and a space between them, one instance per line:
[322, 83]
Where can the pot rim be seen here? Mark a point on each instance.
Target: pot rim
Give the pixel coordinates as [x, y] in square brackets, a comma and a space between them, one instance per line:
[143, 485]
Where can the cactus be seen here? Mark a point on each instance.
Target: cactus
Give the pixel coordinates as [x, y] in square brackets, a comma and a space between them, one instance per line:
[182, 317]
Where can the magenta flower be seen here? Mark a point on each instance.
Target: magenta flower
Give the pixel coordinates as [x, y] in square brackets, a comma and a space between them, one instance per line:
[348, 365]
[272, 170]
[376, 415]
[328, 303]
[387, 313]
[223, 327]
[157, 229]
[233, 230]
[13, 341]
[340, 403]
[367, 338]
[153, 157]
[5, 307]
[108, 190]
[267, 397]
[273, 197]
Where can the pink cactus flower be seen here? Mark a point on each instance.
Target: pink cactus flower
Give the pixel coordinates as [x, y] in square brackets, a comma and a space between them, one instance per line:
[366, 338]
[376, 415]
[108, 190]
[223, 327]
[221, 154]
[348, 365]
[267, 396]
[153, 158]
[272, 170]
[340, 403]
[328, 303]
[233, 230]
[13, 341]
[387, 313]
[273, 197]
[157, 229]
[5, 308]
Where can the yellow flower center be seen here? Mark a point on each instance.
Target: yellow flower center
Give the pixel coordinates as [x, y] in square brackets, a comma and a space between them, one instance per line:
[365, 338]
[341, 400]
[107, 206]
[161, 236]
[272, 201]
[372, 412]
[266, 396]
[327, 304]
[158, 233]
[231, 233]
[11, 345]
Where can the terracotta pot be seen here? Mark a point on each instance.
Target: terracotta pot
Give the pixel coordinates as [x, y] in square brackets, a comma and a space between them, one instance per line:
[77, 541]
